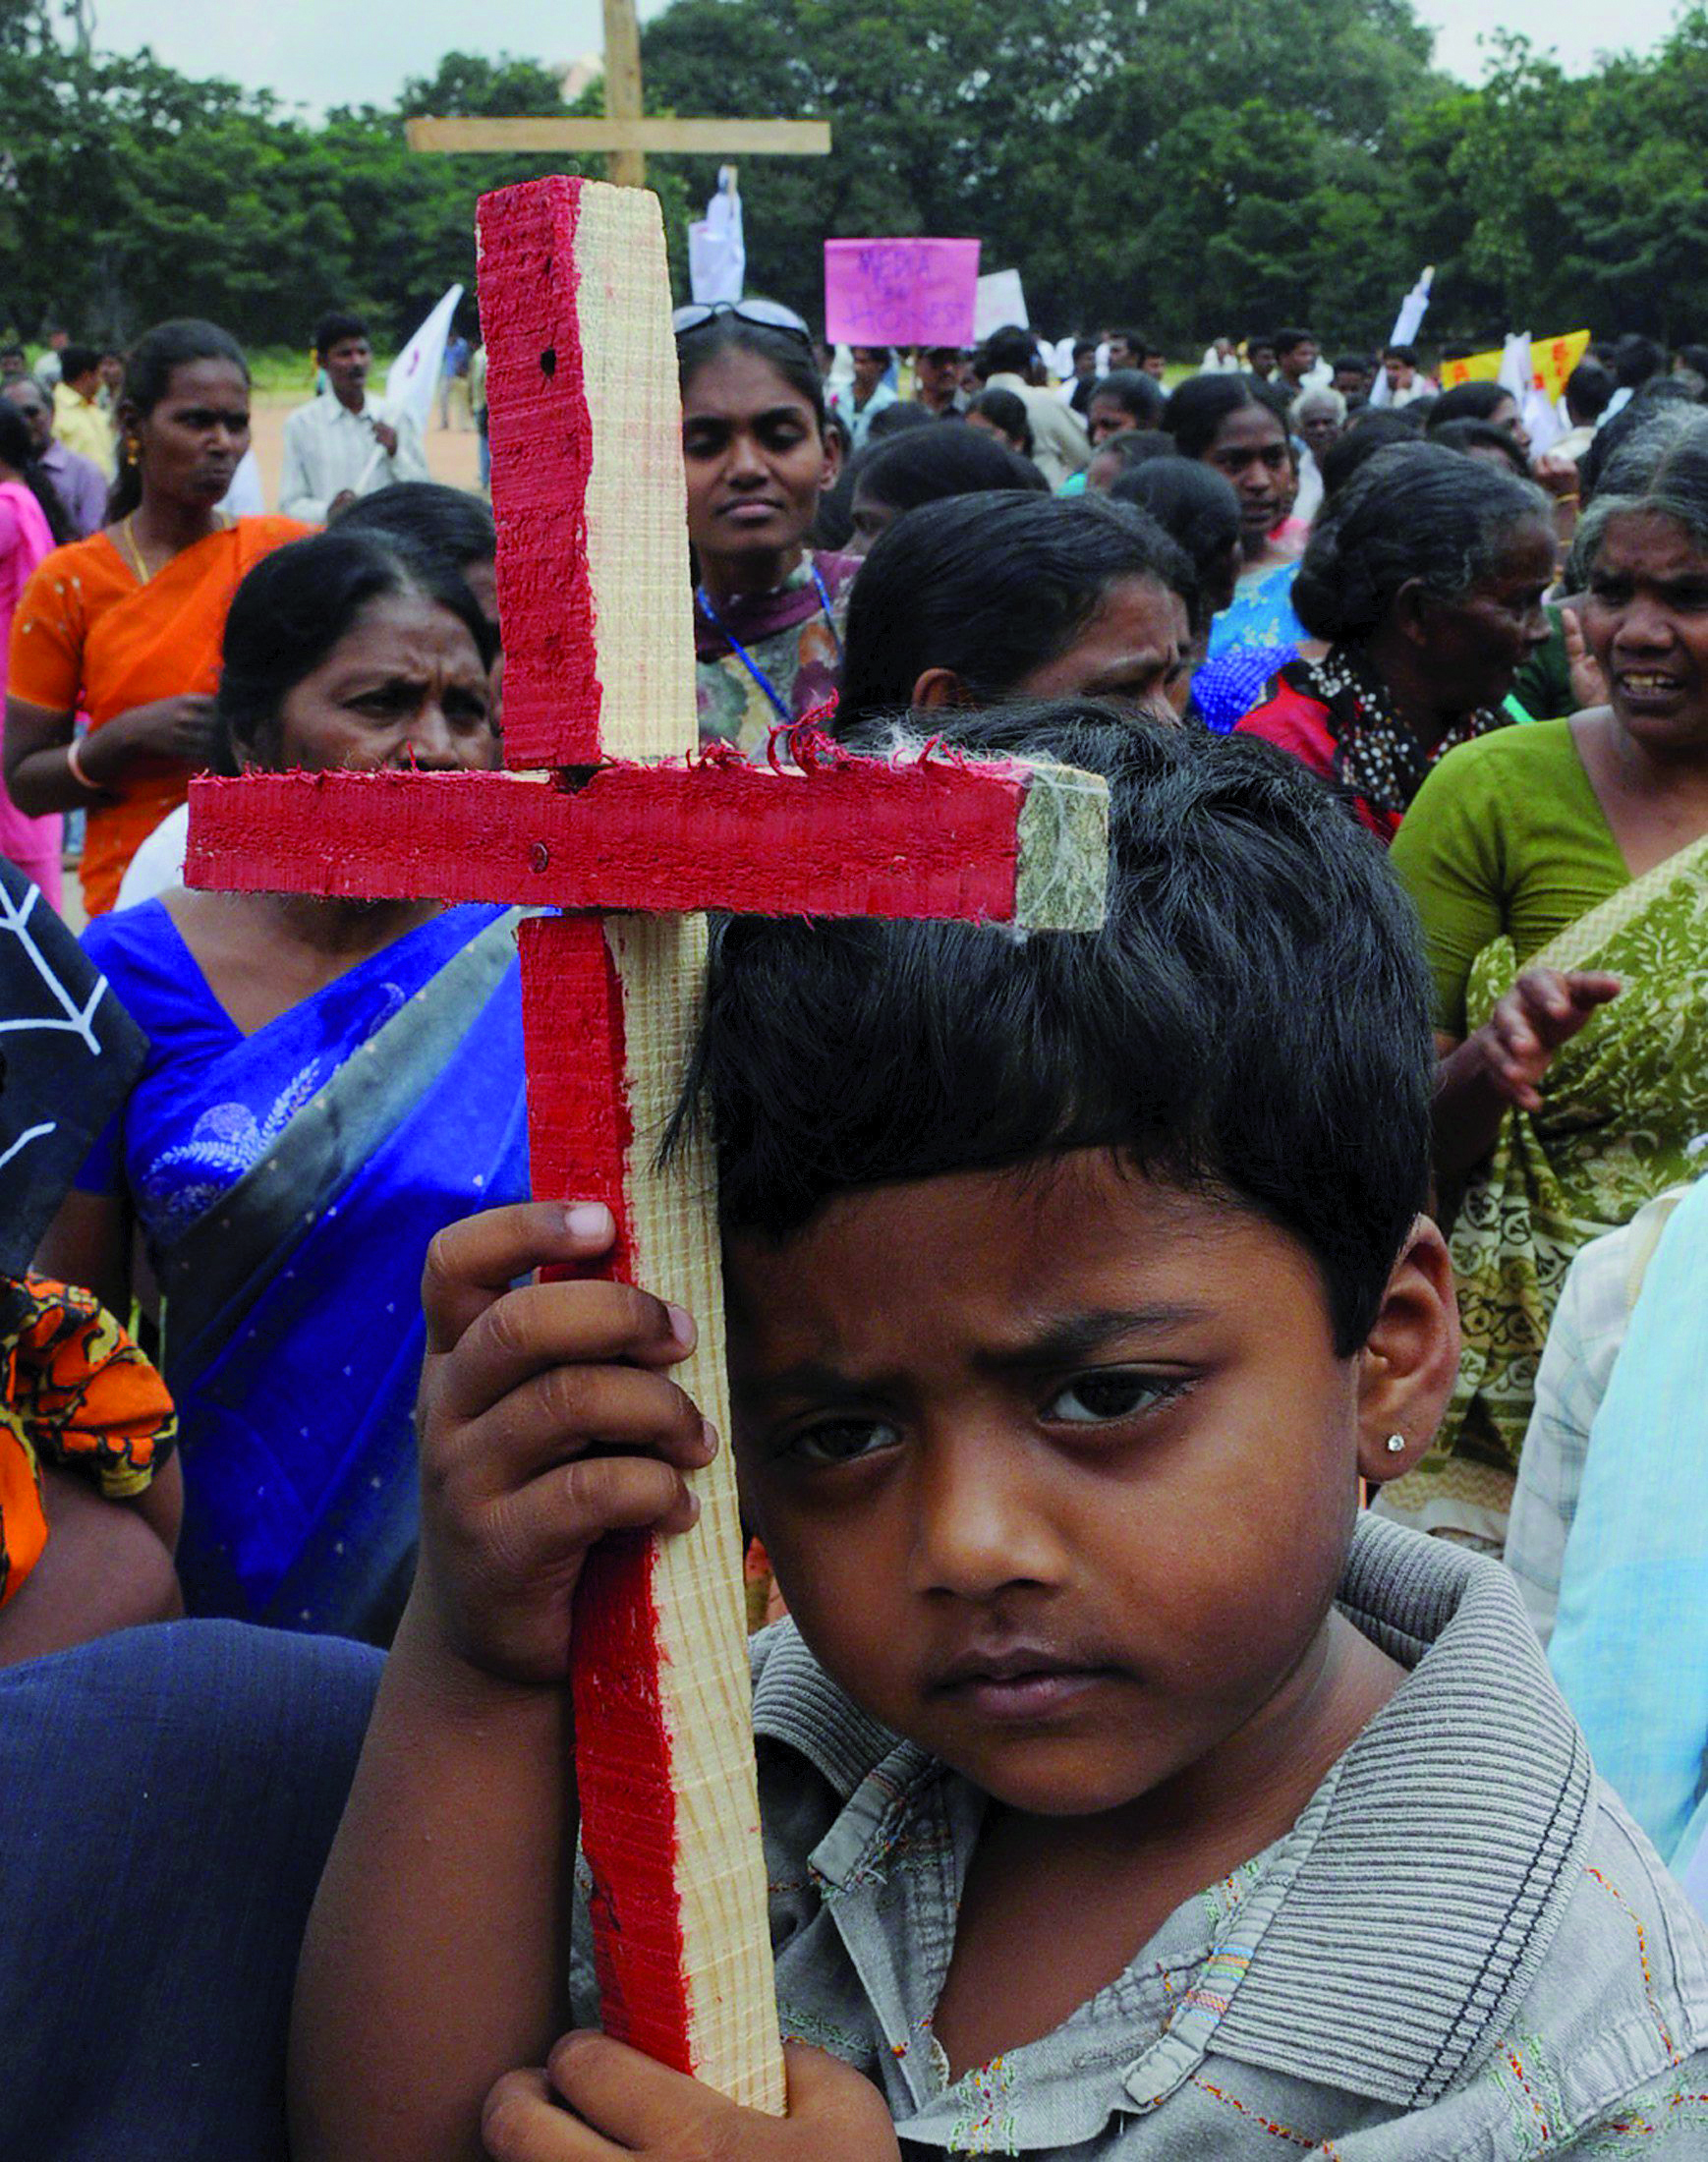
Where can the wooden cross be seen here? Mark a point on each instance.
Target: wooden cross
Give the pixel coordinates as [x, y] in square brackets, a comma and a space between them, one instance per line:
[624, 133]
[611, 811]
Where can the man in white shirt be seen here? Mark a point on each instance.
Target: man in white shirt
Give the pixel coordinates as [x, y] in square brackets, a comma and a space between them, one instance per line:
[1060, 446]
[861, 402]
[1406, 381]
[345, 444]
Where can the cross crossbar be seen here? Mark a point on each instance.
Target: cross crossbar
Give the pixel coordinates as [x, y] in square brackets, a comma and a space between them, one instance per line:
[987, 843]
[662, 134]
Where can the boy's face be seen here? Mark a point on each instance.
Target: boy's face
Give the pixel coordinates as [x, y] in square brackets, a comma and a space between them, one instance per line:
[1058, 1470]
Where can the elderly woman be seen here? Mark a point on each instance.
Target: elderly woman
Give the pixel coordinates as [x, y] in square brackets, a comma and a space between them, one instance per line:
[1425, 578]
[327, 1083]
[1319, 420]
[1562, 875]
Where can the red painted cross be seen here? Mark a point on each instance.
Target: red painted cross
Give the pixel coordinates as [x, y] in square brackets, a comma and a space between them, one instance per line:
[616, 821]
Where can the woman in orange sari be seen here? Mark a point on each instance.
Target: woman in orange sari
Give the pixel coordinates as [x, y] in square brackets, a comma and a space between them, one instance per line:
[126, 625]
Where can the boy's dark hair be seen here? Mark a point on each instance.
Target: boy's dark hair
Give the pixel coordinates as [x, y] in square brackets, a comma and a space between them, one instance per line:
[992, 586]
[1286, 341]
[1406, 353]
[76, 360]
[333, 327]
[835, 1058]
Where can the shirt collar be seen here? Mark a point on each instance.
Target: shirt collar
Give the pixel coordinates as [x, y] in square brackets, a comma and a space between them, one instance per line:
[1406, 1915]
[1432, 1885]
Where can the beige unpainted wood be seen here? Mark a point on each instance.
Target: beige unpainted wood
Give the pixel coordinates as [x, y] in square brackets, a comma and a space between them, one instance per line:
[636, 499]
[637, 528]
[703, 1666]
[665, 136]
[627, 167]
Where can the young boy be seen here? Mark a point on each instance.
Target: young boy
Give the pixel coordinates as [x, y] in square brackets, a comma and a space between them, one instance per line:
[1126, 1792]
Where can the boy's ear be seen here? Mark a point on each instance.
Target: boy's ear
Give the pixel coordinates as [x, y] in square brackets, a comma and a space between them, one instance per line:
[1410, 1358]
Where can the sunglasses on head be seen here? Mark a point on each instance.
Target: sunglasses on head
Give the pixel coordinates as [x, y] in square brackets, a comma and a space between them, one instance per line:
[764, 314]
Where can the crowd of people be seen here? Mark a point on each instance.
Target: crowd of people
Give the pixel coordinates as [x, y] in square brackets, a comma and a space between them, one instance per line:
[1225, 1393]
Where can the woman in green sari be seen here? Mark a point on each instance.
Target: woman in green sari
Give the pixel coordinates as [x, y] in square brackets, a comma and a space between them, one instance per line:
[1562, 875]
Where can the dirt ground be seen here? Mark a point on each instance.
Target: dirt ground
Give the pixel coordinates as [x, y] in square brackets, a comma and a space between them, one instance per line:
[450, 452]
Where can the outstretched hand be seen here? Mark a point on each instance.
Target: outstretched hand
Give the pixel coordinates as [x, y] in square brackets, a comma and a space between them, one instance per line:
[596, 2101]
[546, 1419]
[1545, 1008]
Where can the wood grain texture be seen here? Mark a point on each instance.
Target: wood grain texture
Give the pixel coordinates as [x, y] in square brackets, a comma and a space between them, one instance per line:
[688, 137]
[586, 474]
[627, 167]
[664, 1757]
[593, 589]
[863, 839]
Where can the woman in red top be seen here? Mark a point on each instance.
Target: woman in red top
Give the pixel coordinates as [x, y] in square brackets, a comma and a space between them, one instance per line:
[1426, 578]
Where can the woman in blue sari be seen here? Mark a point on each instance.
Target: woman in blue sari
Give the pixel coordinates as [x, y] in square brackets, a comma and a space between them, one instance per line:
[327, 1083]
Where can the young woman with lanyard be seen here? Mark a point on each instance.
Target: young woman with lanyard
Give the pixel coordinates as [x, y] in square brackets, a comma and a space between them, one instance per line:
[767, 609]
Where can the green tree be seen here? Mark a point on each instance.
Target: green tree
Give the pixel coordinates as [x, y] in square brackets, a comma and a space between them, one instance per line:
[1168, 161]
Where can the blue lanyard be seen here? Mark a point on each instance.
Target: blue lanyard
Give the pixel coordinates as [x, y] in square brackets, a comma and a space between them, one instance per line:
[746, 659]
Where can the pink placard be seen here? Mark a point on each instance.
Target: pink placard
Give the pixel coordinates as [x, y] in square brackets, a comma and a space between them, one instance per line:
[900, 292]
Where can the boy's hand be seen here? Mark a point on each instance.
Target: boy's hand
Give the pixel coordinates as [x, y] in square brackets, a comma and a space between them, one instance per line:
[1545, 1008]
[546, 1419]
[596, 2101]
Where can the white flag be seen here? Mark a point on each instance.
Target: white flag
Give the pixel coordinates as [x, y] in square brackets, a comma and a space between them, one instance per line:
[415, 373]
[717, 245]
[1406, 325]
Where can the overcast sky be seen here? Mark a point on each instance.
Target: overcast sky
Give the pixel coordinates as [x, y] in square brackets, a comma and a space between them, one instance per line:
[328, 52]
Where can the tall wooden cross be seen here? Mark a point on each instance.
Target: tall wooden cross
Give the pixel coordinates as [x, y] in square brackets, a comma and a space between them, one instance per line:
[610, 816]
[624, 133]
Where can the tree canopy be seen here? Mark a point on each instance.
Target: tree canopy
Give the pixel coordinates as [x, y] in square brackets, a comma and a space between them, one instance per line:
[1190, 167]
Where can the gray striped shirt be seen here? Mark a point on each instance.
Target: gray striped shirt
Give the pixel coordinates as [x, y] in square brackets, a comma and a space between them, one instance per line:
[1462, 1949]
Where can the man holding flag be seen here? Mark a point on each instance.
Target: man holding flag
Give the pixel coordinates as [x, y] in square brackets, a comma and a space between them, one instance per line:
[345, 443]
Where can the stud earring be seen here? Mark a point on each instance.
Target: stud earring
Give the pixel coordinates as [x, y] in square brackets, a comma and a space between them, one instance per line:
[1397, 1445]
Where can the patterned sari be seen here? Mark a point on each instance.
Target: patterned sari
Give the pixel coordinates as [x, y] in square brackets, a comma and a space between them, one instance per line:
[1624, 1115]
[288, 1183]
[789, 640]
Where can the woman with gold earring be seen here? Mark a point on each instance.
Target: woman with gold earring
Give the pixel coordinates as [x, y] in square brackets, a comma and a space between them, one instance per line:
[126, 626]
